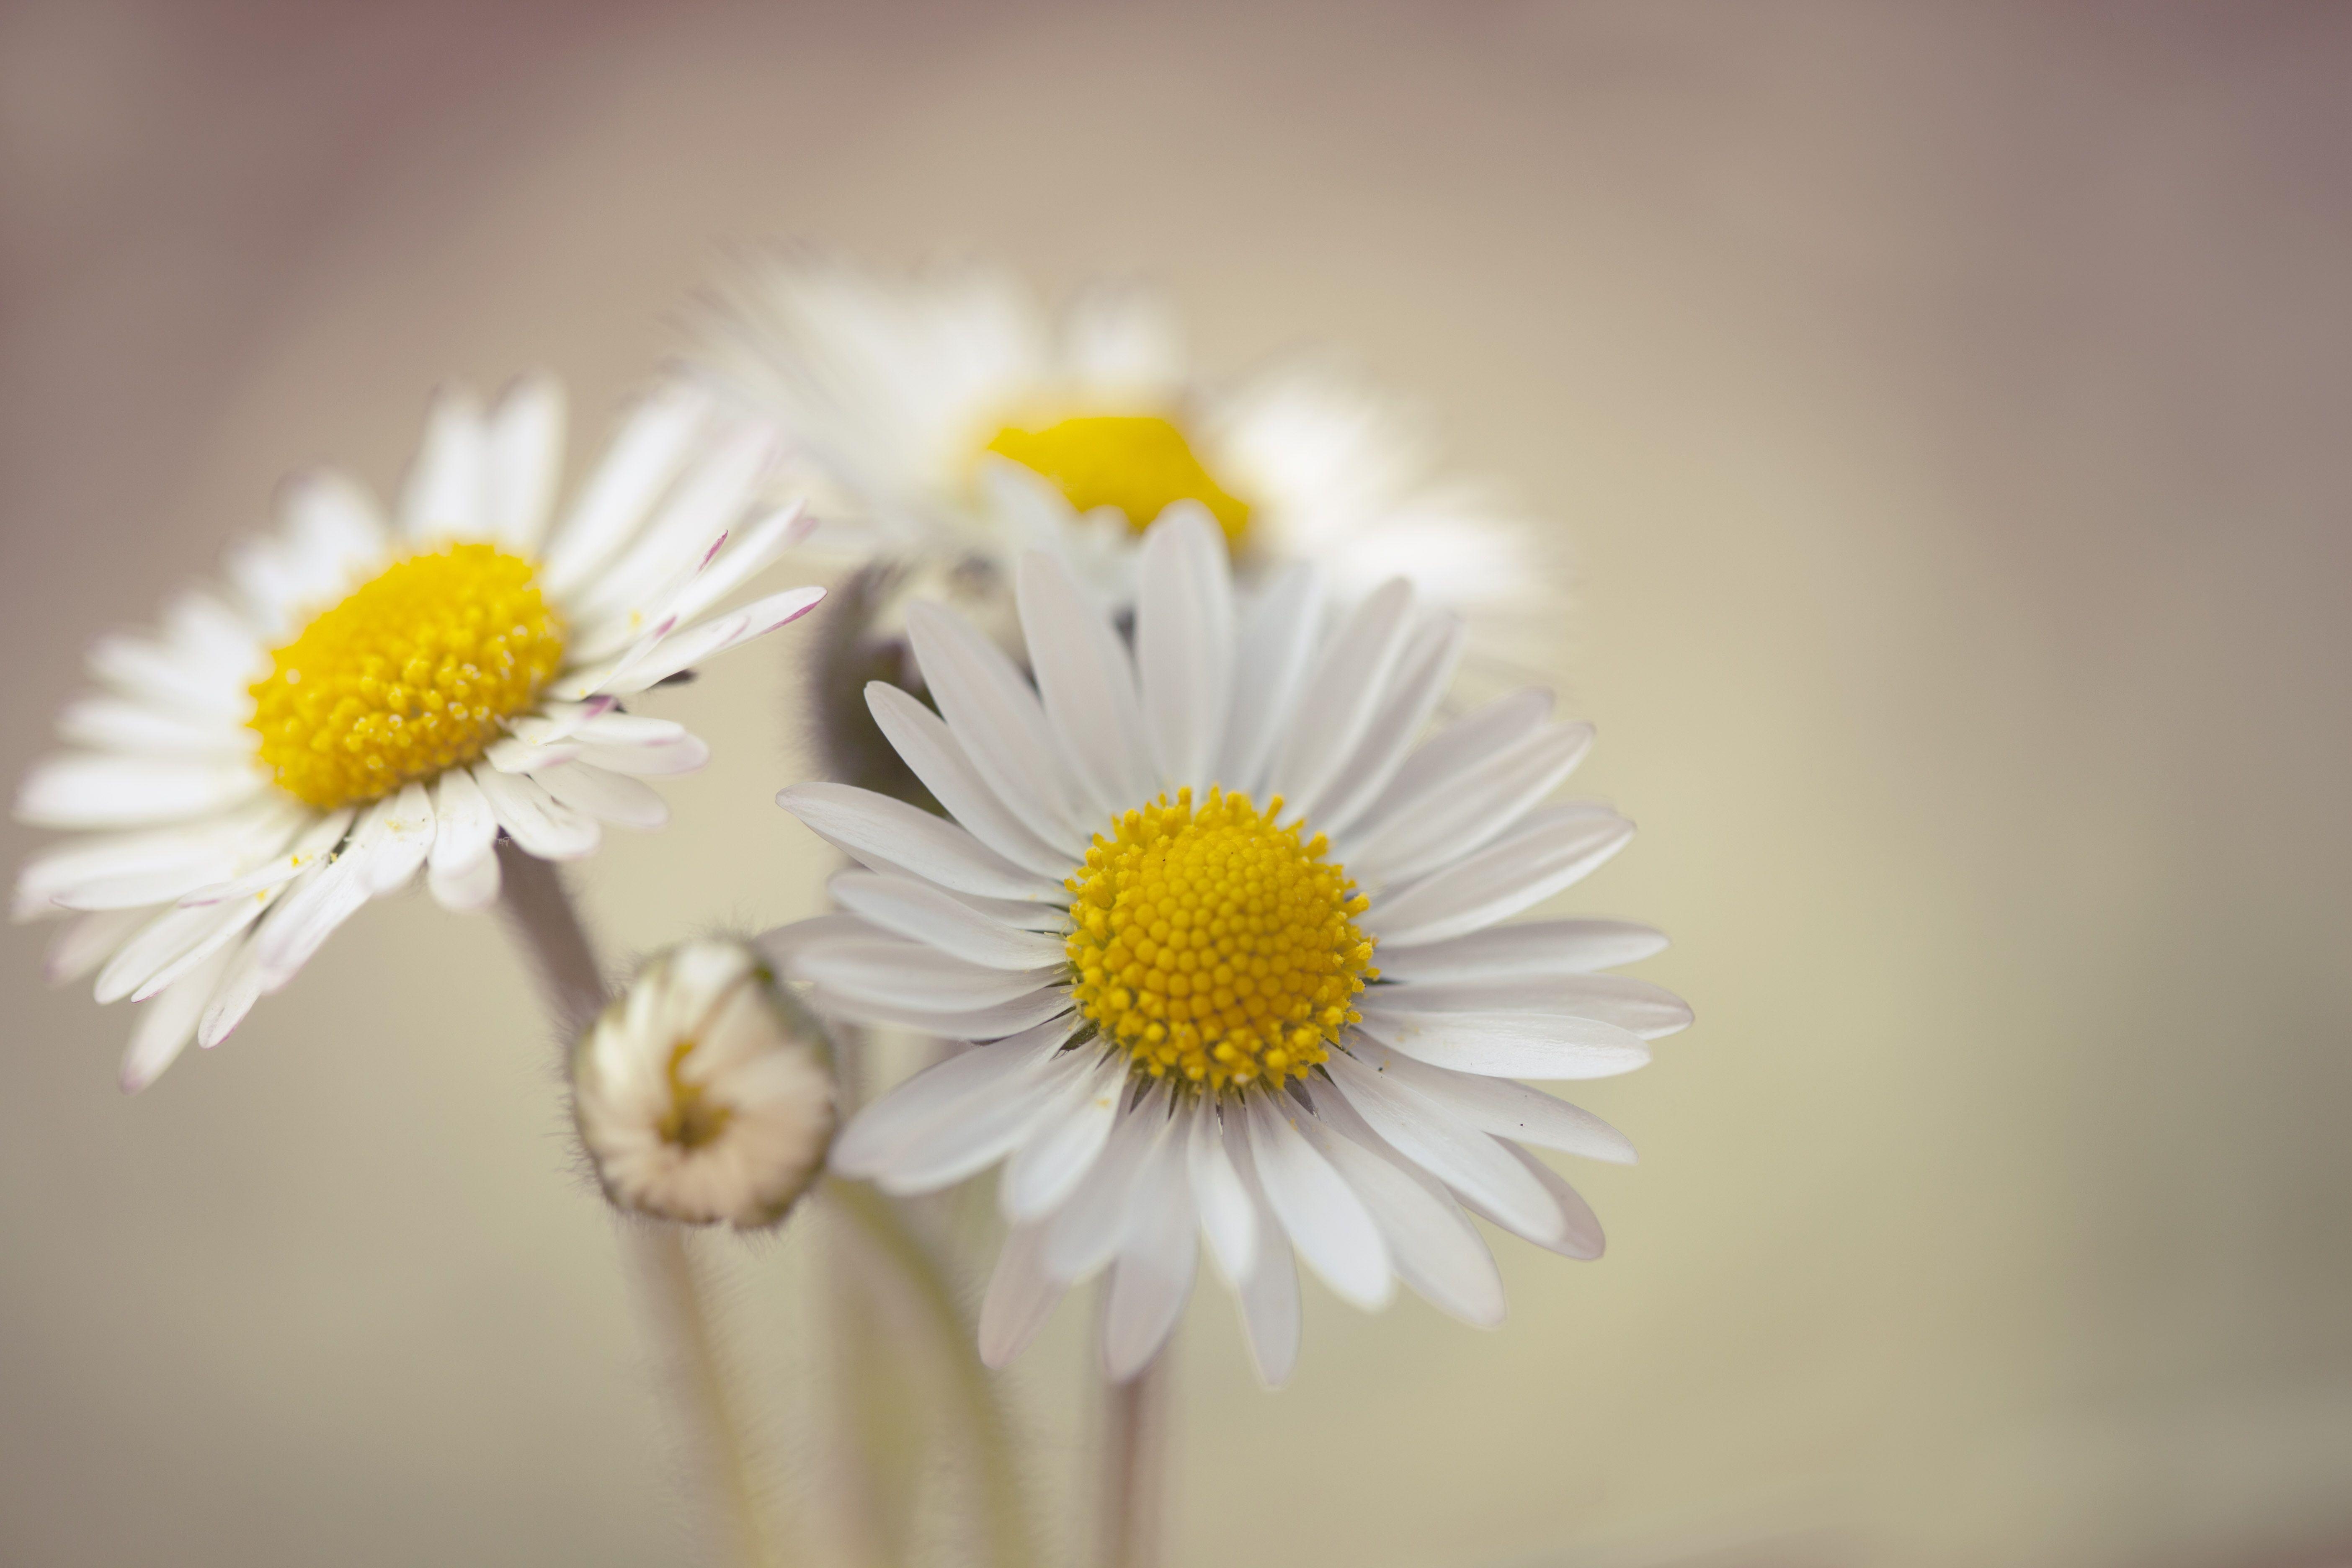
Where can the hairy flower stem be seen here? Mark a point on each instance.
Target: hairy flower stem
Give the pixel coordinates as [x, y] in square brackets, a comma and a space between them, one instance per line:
[1135, 1468]
[540, 910]
[884, 1228]
[546, 924]
[699, 1374]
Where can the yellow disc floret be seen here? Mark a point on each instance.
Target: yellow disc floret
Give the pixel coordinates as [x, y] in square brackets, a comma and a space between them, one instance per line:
[1141, 464]
[415, 673]
[1214, 946]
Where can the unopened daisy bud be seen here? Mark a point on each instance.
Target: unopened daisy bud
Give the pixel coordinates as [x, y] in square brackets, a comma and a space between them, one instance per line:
[702, 1092]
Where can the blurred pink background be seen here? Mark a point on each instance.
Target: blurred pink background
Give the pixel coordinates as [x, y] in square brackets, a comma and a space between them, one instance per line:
[1944, 409]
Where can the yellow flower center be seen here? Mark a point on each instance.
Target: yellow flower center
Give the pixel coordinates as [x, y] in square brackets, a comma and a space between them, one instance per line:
[415, 673]
[1141, 464]
[1215, 945]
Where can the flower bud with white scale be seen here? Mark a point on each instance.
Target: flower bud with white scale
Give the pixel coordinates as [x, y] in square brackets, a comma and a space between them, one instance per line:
[703, 1093]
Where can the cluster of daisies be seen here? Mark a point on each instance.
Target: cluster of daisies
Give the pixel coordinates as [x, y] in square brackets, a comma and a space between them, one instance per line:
[1204, 874]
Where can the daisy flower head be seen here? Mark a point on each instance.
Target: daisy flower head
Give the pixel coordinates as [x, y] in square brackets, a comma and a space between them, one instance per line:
[367, 701]
[949, 419]
[701, 1093]
[1235, 945]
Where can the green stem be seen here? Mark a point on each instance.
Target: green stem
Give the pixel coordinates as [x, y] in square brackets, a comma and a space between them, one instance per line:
[1003, 1511]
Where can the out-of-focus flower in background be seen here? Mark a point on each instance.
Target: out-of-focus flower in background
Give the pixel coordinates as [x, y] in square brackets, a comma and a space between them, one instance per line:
[702, 1092]
[1162, 898]
[369, 700]
[949, 419]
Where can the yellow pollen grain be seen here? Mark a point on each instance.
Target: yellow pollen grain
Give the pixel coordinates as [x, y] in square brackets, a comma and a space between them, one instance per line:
[416, 672]
[1213, 946]
[1141, 464]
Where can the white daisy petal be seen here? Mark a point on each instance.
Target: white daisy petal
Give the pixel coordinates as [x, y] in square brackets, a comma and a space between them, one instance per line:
[1530, 947]
[553, 721]
[1470, 809]
[408, 828]
[1228, 1215]
[510, 754]
[83, 944]
[1183, 643]
[237, 911]
[603, 794]
[991, 1023]
[856, 820]
[753, 550]
[962, 1145]
[233, 998]
[1554, 848]
[1020, 1297]
[307, 916]
[163, 938]
[101, 790]
[525, 461]
[167, 1022]
[1448, 1147]
[916, 910]
[1424, 667]
[1509, 1045]
[1580, 1232]
[1462, 750]
[1063, 1145]
[996, 718]
[584, 682]
[118, 724]
[1436, 1248]
[680, 538]
[1152, 1278]
[1327, 1221]
[462, 868]
[535, 819]
[1276, 644]
[1269, 1296]
[1090, 1229]
[143, 669]
[1087, 685]
[336, 531]
[1341, 695]
[912, 974]
[639, 465]
[1635, 1005]
[927, 746]
[125, 871]
[681, 651]
[638, 760]
[318, 838]
[447, 486]
[1501, 1107]
[784, 944]
[950, 1091]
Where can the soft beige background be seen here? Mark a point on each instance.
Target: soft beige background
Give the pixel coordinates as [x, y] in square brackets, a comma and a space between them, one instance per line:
[1946, 408]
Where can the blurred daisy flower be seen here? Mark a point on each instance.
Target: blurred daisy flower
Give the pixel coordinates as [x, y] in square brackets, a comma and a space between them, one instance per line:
[1234, 936]
[949, 421]
[702, 1093]
[368, 700]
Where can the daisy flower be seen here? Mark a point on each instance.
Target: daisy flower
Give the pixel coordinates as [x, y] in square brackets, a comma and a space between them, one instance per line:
[951, 420]
[1233, 950]
[701, 1092]
[367, 701]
